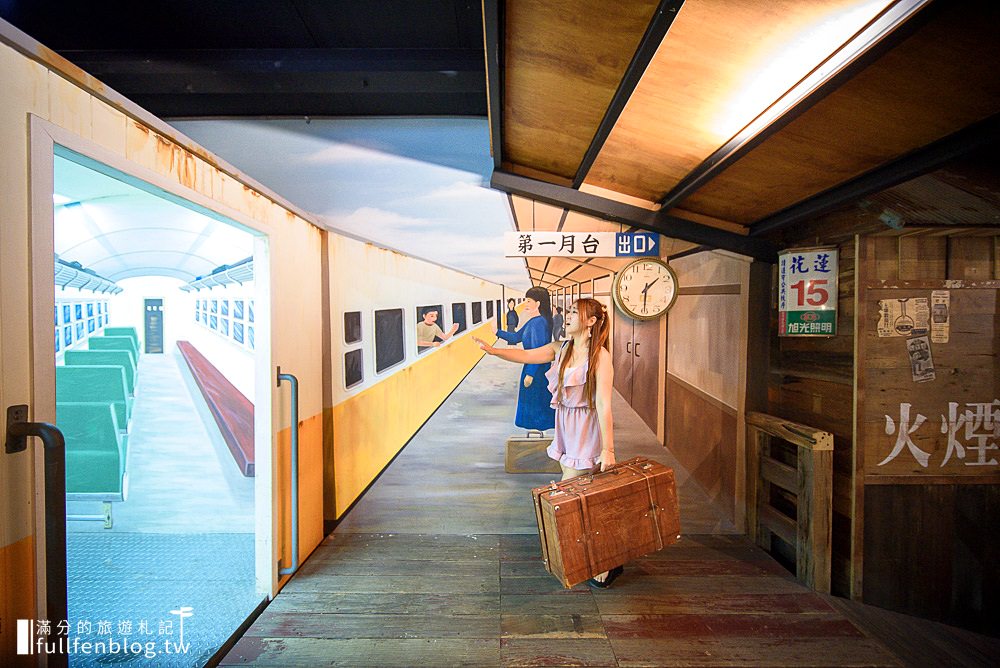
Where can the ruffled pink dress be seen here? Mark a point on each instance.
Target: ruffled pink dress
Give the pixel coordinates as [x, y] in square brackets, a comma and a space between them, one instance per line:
[576, 442]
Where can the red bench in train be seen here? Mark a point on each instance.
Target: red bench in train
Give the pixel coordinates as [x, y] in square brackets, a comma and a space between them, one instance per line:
[232, 411]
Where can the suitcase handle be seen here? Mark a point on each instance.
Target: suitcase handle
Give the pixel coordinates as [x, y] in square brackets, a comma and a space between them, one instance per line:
[534, 432]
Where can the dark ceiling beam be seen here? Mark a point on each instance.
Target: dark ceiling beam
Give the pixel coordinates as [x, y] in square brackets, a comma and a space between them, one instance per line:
[493, 34]
[617, 212]
[309, 82]
[902, 17]
[657, 29]
[914, 164]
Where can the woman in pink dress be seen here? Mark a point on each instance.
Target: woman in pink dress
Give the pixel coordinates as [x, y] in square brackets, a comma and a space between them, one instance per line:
[581, 380]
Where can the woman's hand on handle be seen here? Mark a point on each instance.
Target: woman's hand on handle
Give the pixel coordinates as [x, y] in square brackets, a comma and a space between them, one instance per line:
[493, 327]
[607, 460]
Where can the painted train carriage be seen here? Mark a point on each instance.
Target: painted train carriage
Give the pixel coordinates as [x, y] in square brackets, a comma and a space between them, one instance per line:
[292, 337]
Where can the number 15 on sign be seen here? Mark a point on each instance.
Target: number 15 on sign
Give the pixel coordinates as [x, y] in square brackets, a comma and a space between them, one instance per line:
[807, 292]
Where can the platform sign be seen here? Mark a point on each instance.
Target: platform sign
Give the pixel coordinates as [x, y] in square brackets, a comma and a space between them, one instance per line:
[581, 244]
[807, 292]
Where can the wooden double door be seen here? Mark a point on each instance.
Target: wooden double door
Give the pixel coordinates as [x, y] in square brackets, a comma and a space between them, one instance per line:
[636, 354]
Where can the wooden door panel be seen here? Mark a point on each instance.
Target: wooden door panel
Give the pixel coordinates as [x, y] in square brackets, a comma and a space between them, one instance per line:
[621, 355]
[645, 370]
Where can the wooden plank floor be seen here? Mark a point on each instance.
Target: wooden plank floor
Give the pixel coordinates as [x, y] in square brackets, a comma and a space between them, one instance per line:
[439, 565]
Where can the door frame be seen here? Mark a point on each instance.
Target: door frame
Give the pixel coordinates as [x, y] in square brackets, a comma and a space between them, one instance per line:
[46, 140]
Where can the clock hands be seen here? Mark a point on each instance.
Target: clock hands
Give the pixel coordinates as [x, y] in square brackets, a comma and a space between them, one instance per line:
[645, 290]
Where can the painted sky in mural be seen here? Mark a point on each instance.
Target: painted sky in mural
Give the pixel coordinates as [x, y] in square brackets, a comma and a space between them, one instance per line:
[417, 185]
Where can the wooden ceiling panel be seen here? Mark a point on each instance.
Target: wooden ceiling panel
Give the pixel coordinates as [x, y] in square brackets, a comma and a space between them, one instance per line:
[721, 64]
[530, 215]
[938, 81]
[580, 222]
[563, 60]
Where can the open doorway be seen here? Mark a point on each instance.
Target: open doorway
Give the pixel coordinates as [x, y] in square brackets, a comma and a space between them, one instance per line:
[157, 376]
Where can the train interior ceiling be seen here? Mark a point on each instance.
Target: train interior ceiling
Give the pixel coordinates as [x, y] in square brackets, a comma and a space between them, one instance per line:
[736, 131]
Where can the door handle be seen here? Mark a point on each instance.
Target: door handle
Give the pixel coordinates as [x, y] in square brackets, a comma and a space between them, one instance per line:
[295, 472]
[637, 348]
[628, 345]
[18, 431]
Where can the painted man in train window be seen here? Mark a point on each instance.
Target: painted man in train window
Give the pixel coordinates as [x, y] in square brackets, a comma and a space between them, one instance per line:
[429, 333]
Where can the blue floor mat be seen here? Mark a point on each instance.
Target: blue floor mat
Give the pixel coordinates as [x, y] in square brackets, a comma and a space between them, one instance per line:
[123, 586]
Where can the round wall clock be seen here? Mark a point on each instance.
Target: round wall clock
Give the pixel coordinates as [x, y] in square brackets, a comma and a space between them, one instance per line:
[645, 289]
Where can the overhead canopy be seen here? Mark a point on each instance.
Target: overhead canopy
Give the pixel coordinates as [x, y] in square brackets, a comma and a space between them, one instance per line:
[120, 231]
[719, 122]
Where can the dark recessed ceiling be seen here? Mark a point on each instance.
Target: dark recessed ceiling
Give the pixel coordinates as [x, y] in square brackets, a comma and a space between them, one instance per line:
[215, 58]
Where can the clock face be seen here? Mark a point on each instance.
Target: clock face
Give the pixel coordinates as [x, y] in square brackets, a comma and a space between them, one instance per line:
[645, 289]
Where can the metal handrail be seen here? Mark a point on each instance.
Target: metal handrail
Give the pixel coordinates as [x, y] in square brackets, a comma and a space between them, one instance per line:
[18, 431]
[295, 472]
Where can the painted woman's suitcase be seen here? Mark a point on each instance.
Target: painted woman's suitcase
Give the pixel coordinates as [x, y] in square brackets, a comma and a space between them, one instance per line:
[590, 524]
[526, 454]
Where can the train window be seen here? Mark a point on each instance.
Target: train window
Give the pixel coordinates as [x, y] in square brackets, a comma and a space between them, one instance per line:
[429, 317]
[458, 315]
[477, 312]
[388, 338]
[353, 368]
[489, 309]
[352, 326]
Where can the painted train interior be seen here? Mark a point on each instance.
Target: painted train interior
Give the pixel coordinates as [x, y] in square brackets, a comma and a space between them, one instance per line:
[255, 442]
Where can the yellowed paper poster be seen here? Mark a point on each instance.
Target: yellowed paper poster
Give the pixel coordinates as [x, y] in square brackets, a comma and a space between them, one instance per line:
[903, 317]
[940, 315]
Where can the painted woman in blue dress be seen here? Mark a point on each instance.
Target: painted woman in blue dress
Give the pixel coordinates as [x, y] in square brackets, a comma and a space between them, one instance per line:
[534, 410]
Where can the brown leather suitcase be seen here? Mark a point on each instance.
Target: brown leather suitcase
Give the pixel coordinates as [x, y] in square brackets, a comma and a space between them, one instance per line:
[590, 524]
[526, 454]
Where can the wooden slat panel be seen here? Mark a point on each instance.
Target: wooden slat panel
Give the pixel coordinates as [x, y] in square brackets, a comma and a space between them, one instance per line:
[529, 652]
[922, 258]
[779, 524]
[563, 61]
[970, 258]
[344, 626]
[363, 653]
[779, 474]
[786, 652]
[703, 437]
[817, 625]
[960, 559]
[937, 82]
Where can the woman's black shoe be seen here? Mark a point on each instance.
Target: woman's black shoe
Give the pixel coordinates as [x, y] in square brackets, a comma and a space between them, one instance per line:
[611, 577]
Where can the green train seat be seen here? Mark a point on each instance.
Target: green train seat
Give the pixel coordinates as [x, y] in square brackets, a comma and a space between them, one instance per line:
[96, 456]
[96, 383]
[114, 343]
[123, 331]
[122, 358]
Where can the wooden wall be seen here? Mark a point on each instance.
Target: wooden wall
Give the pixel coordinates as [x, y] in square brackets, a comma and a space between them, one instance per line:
[905, 540]
[810, 382]
[930, 547]
[706, 375]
